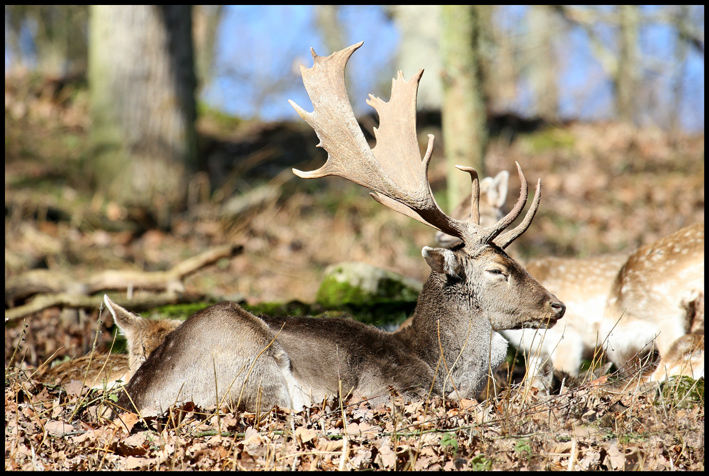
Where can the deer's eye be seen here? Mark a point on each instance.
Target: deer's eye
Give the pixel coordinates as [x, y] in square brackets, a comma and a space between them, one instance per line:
[497, 272]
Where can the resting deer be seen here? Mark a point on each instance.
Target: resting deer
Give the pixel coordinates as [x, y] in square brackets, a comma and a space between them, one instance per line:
[582, 283]
[142, 337]
[649, 301]
[225, 355]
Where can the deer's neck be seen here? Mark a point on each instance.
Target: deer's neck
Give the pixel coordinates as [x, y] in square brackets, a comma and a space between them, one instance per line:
[448, 321]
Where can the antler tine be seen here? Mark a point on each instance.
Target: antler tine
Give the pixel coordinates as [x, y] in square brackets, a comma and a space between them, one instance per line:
[475, 196]
[507, 220]
[509, 236]
[393, 169]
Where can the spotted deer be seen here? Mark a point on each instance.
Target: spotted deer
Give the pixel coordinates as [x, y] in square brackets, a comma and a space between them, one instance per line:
[650, 300]
[107, 370]
[224, 355]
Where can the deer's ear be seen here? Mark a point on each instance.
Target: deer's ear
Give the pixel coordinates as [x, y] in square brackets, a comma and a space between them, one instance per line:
[444, 261]
[127, 322]
[496, 188]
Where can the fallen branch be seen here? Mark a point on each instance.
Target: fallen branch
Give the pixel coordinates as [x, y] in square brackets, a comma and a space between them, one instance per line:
[55, 289]
[137, 303]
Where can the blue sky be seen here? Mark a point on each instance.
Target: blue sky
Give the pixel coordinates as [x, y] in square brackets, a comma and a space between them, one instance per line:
[265, 43]
[259, 48]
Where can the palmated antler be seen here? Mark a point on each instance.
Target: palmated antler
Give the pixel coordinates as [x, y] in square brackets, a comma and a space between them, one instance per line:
[393, 169]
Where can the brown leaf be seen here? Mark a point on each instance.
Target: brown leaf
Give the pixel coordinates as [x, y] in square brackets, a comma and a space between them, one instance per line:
[616, 457]
[58, 428]
[368, 430]
[128, 419]
[386, 458]
[251, 437]
[136, 440]
[361, 458]
[133, 462]
[329, 445]
[89, 435]
[305, 434]
[74, 388]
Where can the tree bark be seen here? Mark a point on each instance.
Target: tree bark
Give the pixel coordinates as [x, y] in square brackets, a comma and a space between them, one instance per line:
[626, 73]
[142, 85]
[543, 64]
[206, 20]
[420, 30]
[464, 102]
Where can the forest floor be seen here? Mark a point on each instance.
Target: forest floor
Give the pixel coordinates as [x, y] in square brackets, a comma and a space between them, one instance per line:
[607, 187]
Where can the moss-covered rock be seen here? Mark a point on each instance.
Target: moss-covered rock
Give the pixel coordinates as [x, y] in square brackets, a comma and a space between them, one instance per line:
[361, 284]
[372, 295]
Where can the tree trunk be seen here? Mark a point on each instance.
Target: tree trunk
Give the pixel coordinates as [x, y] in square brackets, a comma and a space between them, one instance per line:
[205, 20]
[464, 113]
[330, 27]
[142, 84]
[626, 73]
[419, 27]
[543, 64]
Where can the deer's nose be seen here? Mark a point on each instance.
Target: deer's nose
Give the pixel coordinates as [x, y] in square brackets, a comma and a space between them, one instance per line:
[559, 308]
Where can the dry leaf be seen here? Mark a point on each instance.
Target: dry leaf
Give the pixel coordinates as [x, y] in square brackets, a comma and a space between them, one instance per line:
[58, 428]
[74, 388]
[136, 440]
[616, 457]
[329, 445]
[126, 420]
[386, 458]
[251, 437]
[133, 462]
[305, 434]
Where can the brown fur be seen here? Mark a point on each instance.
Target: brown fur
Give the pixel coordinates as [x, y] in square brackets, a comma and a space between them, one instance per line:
[97, 370]
[585, 284]
[143, 335]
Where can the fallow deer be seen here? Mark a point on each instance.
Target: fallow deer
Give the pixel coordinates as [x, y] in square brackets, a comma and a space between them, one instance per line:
[648, 302]
[582, 283]
[106, 370]
[225, 355]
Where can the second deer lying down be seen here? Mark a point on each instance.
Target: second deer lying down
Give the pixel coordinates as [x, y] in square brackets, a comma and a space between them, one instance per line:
[106, 370]
[652, 299]
[225, 355]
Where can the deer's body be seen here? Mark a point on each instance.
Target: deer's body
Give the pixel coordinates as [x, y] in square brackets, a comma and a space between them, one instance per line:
[305, 359]
[648, 299]
[684, 357]
[225, 355]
